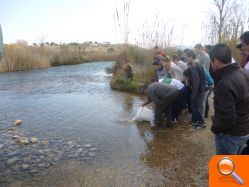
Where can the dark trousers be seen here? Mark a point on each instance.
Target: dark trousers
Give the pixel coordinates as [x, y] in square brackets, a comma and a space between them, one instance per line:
[188, 98]
[179, 104]
[165, 110]
[198, 108]
[207, 104]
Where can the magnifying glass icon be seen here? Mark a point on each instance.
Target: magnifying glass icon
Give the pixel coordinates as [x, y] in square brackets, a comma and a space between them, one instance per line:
[226, 167]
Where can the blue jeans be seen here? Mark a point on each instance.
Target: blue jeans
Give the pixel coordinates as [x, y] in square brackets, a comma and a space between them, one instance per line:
[198, 108]
[229, 145]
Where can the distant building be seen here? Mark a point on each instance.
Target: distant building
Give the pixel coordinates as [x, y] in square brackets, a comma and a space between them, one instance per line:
[22, 42]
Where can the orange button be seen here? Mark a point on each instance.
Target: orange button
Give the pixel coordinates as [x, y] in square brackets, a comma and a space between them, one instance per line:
[224, 170]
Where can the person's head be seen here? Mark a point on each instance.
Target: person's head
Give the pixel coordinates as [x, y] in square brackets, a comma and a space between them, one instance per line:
[175, 58]
[127, 61]
[191, 55]
[243, 52]
[220, 56]
[156, 47]
[243, 46]
[165, 61]
[157, 64]
[198, 48]
[208, 48]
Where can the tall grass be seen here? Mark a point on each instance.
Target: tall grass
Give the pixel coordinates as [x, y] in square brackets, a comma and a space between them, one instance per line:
[18, 57]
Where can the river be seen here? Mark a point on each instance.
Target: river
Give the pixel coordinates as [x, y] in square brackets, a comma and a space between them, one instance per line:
[84, 138]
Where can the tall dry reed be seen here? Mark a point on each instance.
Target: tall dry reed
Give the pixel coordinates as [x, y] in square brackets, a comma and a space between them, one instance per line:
[19, 57]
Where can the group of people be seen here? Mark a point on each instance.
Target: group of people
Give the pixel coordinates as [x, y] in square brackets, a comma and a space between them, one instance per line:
[180, 81]
[185, 80]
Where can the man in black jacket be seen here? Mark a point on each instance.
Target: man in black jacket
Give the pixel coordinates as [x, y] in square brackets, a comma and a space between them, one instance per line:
[231, 102]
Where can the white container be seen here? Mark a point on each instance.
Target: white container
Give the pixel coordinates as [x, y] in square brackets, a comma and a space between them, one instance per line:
[144, 114]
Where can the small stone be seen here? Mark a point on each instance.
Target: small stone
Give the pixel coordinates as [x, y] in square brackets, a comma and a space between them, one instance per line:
[24, 141]
[18, 122]
[70, 147]
[91, 154]
[25, 166]
[27, 159]
[41, 151]
[12, 161]
[87, 145]
[33, 171]
[36, 161]
[56, 159]
[79, 150]
[47, 150]
[15, 168]
[41, 165]
[13, 153]
[70, 142]
[93, 149]
[1, 146]
[11, 130]
[16, 137]
[44, 142]
[34, 140]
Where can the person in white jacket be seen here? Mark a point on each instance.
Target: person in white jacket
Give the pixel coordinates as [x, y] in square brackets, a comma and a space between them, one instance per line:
[174, 71]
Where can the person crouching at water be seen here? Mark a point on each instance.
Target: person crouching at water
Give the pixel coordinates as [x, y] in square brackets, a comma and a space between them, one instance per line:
[163, 96]
[179, 103]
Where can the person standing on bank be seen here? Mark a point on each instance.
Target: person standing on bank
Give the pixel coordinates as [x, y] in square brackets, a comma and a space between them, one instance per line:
[163, 96]
[231, 102]
[197, 81]
[128, 73]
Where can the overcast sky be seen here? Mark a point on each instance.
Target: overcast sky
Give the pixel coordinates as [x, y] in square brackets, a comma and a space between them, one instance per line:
[94, 20]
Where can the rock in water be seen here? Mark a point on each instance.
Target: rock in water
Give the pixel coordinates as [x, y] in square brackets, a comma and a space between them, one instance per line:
[34, 140]
[18, 122]
[12, 161]
[24, 141]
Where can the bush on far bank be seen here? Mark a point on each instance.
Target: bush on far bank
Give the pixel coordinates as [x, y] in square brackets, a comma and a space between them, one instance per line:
[19, 57]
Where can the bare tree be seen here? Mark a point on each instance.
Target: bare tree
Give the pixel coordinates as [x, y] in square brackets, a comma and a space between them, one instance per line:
[227, 20]
[161, 32]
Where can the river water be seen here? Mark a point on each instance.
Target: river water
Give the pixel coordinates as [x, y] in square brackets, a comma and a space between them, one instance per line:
[84, 137]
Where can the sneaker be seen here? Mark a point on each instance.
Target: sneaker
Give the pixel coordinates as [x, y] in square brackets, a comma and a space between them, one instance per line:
[200, 127]
[155, 127]
[174, 121]
[191, 124]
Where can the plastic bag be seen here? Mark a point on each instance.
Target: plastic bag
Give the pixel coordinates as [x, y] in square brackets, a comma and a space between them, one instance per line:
[144, 114]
